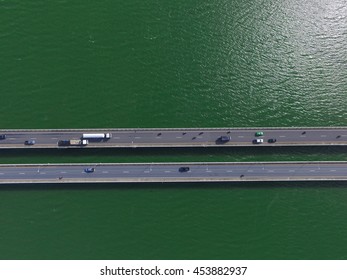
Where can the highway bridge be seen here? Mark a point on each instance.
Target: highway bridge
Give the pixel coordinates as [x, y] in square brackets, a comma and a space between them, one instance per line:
[187, 137]
[173, 172]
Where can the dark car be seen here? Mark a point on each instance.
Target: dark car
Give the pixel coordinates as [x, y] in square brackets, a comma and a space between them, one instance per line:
[89, 170]
[272, 140]
[184, 169]
[2, 136]
[223, 139]
[29, 142]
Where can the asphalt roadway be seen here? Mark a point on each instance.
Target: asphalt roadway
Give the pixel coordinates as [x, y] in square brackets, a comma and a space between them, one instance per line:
[169, 172]
[202, 137]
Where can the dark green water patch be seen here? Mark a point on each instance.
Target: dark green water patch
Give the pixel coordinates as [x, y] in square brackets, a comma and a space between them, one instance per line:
[223, 221]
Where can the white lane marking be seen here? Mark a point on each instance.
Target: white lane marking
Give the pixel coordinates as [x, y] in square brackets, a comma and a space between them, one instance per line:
[11, 138]
[137, 137]
[282, 136]
[104, 172]
[270, 171]
[249, 170]
[42, 172]
[167, 171]
[54, 138]
[1, 173]
[208, 171]
[332, 170]
[125, 171]
[178, 137]
[116, 137]
[146, 171]
[312, 170]
[22, 173]
[323, 136]
[63, 172]
[33, 138]
[302, 135]
[229, 171]
[241, 136]
[291, 170]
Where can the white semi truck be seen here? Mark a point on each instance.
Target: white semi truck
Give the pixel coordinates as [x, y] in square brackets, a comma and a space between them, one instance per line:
[96, 136]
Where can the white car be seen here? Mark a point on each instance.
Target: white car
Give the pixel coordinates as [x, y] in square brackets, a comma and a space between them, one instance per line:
[258, 141]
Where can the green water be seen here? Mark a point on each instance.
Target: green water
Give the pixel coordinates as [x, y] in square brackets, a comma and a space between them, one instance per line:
[73, 64]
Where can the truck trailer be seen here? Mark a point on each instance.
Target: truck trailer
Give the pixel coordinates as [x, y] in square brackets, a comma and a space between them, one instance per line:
[73, 142]
[96, 136]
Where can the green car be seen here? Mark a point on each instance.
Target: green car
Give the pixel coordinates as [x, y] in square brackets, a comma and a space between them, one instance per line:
[259, 133]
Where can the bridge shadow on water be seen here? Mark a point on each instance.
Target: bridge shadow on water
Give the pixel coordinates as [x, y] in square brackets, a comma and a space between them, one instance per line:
[256, 153]
[174, 186]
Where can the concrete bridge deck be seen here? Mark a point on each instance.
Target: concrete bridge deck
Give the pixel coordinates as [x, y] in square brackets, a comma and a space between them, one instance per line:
[187, 137]
[169, 172]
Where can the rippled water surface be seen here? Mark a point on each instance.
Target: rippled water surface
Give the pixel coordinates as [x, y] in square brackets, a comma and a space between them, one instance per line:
[67, 64]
